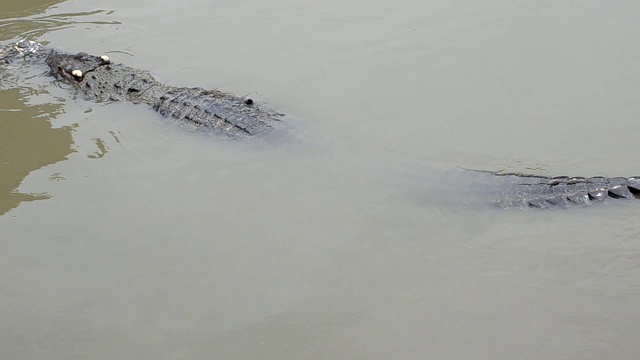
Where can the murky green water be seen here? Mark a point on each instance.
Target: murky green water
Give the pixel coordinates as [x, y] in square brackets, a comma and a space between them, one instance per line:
[349, 234]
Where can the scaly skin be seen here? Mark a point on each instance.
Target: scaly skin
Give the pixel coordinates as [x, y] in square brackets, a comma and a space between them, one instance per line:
[98, 79]
[519, 190]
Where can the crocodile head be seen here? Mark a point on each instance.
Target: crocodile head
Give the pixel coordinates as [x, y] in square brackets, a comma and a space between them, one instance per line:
[72, 68]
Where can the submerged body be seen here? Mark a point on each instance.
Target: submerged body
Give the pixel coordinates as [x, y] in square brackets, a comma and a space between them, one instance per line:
[98, 79]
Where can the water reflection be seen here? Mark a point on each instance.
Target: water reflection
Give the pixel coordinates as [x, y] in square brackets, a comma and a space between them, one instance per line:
[14, 20]
[27, 142]
[9, 8]
[24, 19]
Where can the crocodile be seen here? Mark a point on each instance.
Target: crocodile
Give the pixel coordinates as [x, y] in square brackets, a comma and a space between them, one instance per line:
[97, 78]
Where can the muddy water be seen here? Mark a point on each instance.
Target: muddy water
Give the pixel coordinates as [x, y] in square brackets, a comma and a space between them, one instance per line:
[350, 232]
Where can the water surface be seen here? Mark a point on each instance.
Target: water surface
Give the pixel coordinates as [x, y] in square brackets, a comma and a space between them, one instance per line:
[351, 232]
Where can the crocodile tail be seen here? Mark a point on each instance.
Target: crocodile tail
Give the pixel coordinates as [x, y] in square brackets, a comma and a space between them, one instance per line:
[564, 191]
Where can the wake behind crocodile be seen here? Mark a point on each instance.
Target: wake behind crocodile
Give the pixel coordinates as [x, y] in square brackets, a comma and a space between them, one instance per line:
[96, 78]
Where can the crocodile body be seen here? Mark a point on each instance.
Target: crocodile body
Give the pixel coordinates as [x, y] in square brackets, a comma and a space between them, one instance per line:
[98, 79]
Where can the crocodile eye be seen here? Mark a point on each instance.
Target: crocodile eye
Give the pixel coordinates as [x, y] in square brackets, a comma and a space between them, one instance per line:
[77, 74]
[105, 59]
